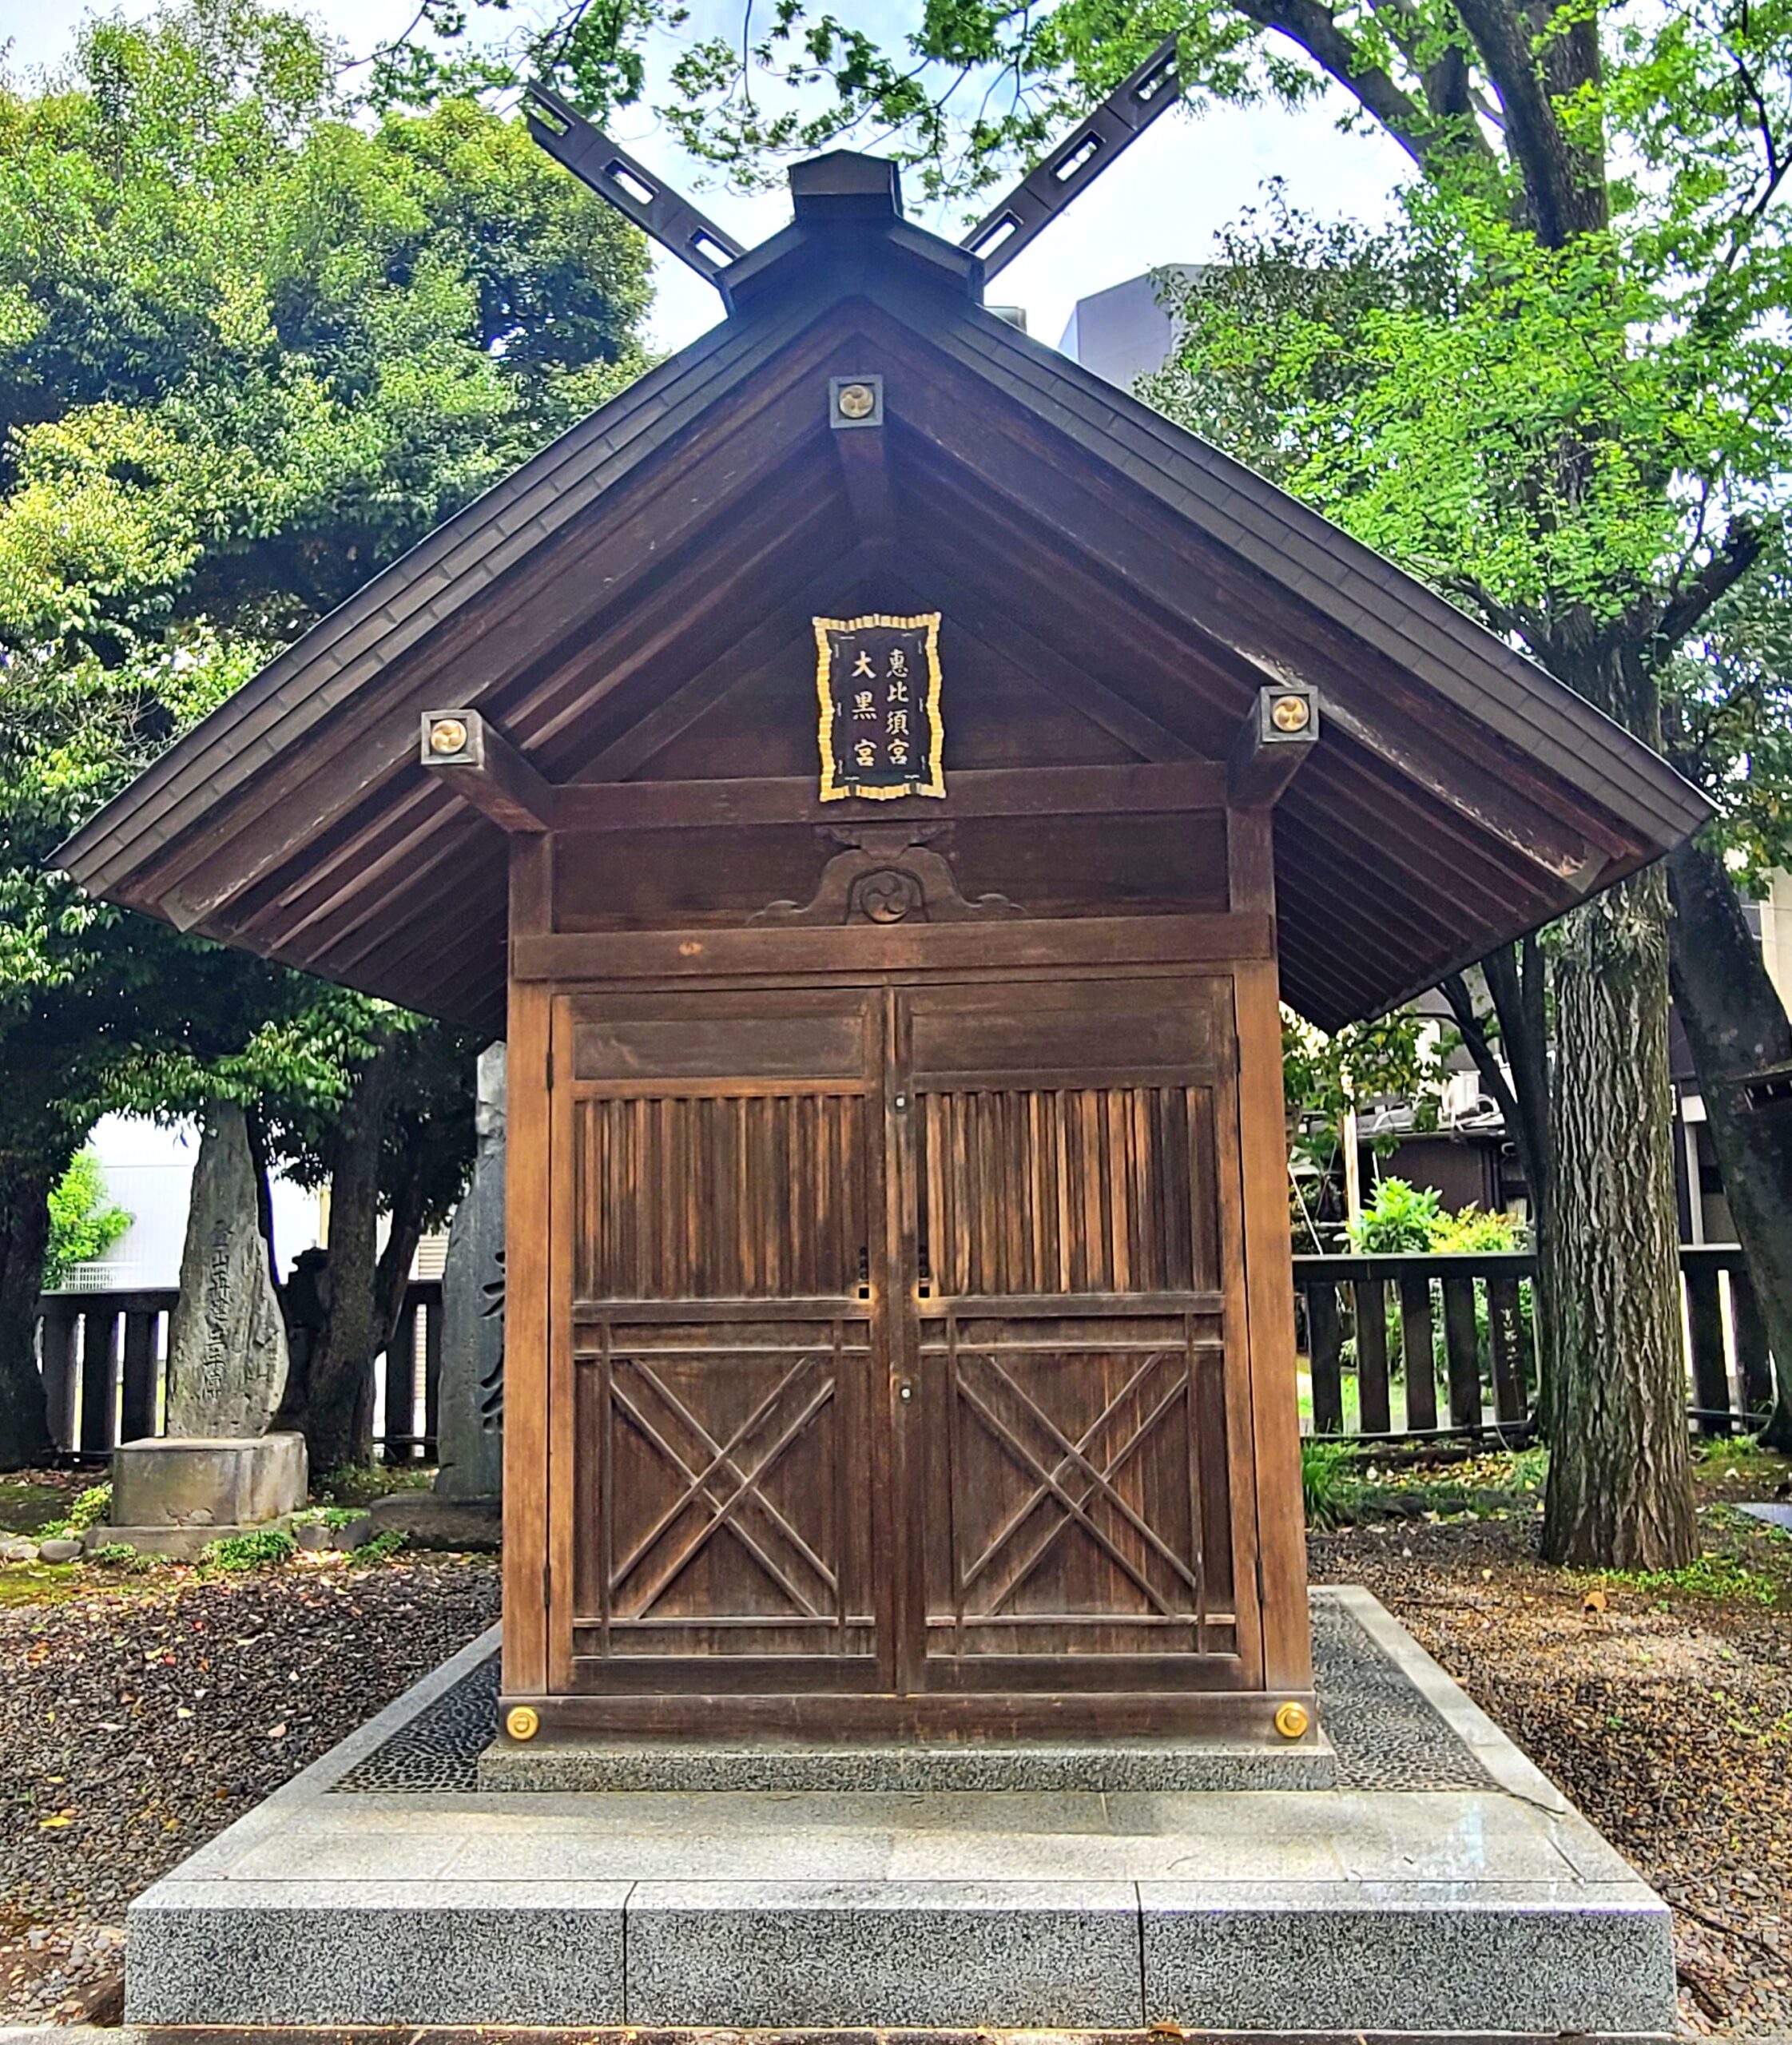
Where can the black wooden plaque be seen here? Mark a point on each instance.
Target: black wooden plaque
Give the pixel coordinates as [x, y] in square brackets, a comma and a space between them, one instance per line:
[878, 680]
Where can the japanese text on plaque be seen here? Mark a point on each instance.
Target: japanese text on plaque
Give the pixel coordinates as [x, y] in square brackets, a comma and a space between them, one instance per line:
[878, 680]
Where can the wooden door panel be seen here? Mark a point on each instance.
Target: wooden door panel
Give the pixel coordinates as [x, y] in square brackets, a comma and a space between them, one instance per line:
[1075, 1301]
[726, 1213]
[721, 1197]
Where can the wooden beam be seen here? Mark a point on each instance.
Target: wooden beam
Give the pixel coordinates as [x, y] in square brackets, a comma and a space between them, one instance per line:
[856, 414]
[1274, 742]
[1125, 791]
[1095, 942]
[477, 761]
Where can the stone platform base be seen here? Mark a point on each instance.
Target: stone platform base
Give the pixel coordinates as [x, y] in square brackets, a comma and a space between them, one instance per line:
[428, 1520]
[1443, 1886]
[171, 1495]
[1113, 1768]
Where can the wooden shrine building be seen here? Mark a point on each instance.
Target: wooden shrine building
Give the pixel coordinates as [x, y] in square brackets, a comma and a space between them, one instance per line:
[879, 778]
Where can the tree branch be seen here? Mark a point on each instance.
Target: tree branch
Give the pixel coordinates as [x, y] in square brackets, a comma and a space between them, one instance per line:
[1744, 543]
[1473, 1028]
[1565, 191]
[1415, 127]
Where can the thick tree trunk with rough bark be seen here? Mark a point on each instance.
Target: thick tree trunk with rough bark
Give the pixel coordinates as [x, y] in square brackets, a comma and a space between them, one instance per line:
[1736, 1025]
[24, 1231]
[1619, 1495]
[338, 1417]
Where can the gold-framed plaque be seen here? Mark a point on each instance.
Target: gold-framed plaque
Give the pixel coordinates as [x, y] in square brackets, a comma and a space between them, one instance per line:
[878, 679]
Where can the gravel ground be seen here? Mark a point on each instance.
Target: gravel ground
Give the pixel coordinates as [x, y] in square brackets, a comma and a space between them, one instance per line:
[139, 1718]
[1666, 1716]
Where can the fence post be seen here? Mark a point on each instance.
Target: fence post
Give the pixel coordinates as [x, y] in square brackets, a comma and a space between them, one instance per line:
[1505, 1328]
[1415, 1344]
[138, 1416]
[432, 1374]
[60, 1373]
[1462, 1353]
[1753, 1368]
[1369, 1298]
[1710, 1370]
[401, 1387]
[99, 1335]
[1325, 1353]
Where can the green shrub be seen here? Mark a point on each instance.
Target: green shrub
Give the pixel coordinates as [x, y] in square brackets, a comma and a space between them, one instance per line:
[119, 1554]
[1326, 1481]
[265, 1546]
[89, 1508]
[388, 1541]
[1399, 1219]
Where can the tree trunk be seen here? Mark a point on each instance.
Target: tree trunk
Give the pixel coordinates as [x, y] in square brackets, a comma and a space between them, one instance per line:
[338, 1421]
[1736, 1025]
[24, 1231]
[1619, 1495]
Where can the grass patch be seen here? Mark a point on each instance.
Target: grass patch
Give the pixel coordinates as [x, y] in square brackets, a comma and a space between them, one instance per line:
[1715, 1574]
[360, 1485]
[264, 1548]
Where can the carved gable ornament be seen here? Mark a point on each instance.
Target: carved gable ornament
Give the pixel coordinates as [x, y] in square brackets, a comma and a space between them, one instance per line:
[878, 681]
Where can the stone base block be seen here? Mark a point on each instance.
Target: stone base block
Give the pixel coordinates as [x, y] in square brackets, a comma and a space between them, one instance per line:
[957, 1955]
[171, 1496]
[399, 1952]
[429, 1520]
[1109, 1767]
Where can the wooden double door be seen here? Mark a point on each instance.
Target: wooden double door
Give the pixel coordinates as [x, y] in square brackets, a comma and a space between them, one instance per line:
[901, 1376]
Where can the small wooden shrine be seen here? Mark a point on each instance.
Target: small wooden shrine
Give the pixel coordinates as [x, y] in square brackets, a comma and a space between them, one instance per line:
[879, 778]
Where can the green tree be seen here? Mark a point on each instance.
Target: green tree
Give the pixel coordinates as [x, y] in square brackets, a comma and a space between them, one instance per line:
[84, 1222]
[1573, 421]
[255, 342]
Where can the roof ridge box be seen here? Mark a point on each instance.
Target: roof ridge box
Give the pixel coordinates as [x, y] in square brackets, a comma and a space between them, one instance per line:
[843, 185]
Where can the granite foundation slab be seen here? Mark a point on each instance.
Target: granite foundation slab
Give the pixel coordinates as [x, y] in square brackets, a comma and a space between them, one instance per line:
[1442, 1886]
[1114, 1767]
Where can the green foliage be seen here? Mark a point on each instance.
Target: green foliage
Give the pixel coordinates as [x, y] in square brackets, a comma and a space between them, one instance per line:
[255, 340]
[264, 1548]
[1326, 1468]
[84, 1224]
[1399, 1219]
[381, 1547]
[120, 1555]
[89, 1508]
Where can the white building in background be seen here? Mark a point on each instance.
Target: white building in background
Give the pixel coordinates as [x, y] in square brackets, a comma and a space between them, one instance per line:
[148, 1173]
[1124, 332]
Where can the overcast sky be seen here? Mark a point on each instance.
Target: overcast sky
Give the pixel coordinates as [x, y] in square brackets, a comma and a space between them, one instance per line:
[1161, 204]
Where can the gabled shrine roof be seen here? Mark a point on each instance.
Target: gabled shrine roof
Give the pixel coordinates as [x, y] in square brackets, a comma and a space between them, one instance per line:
[589, 605]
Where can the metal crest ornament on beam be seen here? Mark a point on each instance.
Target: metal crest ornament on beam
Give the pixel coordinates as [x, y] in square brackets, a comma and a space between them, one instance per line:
[1077, 161]
[479, 763]
[654, 207]
[1274, 742]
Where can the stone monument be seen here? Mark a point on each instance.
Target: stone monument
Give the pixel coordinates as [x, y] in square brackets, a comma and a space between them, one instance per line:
[217, 1470]
[471, 1427]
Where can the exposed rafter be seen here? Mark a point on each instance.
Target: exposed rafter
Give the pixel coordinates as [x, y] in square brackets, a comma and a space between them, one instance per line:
[1077, 161]
[654, 207]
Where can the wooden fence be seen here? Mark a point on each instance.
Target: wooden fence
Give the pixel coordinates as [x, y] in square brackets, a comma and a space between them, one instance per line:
[1365, 1319]
[104, 1357]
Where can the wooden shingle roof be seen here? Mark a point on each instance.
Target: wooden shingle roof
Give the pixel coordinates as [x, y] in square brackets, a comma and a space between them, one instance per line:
[669, 549]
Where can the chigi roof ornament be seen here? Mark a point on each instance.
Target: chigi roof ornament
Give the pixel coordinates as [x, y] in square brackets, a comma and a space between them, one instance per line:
[843, 184]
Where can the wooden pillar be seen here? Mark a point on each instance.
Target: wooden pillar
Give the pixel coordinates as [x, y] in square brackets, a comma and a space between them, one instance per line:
[1269, 1275]
[527, 1237]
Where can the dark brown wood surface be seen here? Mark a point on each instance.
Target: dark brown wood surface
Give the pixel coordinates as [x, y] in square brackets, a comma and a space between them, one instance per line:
[908, 1354]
